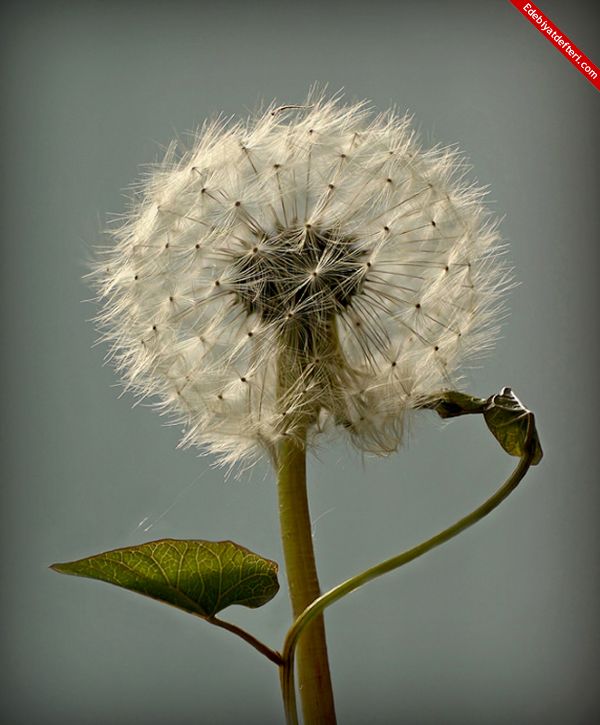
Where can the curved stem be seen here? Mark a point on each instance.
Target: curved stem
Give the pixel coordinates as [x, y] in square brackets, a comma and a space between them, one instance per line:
[271, 654]
[296, 536]
[317, 607]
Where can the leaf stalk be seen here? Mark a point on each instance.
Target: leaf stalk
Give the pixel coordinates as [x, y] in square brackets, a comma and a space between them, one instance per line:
[271, 654]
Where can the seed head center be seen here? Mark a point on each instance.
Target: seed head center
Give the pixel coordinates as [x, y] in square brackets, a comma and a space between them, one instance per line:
[306, 275]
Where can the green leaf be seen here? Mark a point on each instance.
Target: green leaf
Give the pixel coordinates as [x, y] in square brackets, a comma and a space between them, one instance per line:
[506, 417]
[201, 577]
[508, 420]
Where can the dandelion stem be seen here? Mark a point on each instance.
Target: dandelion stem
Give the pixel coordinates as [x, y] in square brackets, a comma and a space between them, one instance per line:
[314, 611]
[296, 535]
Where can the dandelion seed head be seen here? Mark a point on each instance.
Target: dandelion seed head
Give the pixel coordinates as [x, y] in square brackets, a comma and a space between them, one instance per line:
[310, 269]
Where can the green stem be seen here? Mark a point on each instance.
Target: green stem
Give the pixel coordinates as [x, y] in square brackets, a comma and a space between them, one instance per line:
[296, 536]
[316, 608]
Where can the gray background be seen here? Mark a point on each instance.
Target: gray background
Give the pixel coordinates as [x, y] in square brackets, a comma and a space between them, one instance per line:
[499, 626]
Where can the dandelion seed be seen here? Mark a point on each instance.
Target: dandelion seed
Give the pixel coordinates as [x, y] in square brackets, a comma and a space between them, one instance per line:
[323, 271]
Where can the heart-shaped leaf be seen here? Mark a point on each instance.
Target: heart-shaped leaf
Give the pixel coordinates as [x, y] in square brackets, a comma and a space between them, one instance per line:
[201, 577]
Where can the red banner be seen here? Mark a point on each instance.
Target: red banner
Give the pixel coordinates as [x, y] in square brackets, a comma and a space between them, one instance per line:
[559, 40]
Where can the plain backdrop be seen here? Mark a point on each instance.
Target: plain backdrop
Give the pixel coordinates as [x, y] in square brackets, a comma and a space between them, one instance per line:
[500, 626]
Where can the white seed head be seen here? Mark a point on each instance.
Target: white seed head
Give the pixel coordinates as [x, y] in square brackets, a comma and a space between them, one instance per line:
[308, 269]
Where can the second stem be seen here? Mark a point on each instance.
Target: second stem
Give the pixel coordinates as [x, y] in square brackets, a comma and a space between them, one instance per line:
[296, 535]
